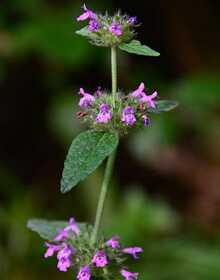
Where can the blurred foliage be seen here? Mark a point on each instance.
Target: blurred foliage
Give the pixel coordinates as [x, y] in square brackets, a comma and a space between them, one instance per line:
[166, 196]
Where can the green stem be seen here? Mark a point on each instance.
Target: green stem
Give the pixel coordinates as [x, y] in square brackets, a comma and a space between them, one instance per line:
[102, 197]
[114, 73]
[111, 159]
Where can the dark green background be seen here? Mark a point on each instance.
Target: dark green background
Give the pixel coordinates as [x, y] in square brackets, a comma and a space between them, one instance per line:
[165, 192]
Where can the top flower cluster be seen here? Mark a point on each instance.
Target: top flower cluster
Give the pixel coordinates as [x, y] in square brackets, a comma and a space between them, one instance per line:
[103, 27]
[91, 261]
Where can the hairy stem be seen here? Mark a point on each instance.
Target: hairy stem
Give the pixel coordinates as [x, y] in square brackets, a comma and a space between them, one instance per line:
[102, 197]
[114, 73]
[111, 159]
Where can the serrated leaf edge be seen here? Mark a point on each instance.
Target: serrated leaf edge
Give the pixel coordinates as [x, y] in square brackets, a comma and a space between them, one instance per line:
[121, 46]
[64, 190]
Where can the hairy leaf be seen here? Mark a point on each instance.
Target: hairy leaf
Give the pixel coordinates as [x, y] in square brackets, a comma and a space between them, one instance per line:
[84, 31]
[86, 153]
[162, 106]
[135, 46]
[47, 229]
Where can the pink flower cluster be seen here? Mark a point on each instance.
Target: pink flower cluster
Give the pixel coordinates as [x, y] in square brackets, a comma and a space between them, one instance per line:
[128, 116]
[94, 24]
[66, 254]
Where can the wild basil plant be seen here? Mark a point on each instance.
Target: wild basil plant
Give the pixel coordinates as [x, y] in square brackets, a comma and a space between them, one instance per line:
[110, 115]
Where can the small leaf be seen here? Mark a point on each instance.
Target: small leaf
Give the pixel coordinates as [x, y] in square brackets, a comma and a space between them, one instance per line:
[47, 229]
[135, 46]
[162, 106]
[86, 153]
[84, 31]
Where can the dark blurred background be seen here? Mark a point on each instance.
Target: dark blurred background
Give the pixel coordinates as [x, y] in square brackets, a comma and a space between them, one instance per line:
[165, 192]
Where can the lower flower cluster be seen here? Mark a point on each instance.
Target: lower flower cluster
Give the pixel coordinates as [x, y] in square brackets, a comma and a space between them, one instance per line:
[126, 113]
[102, 260]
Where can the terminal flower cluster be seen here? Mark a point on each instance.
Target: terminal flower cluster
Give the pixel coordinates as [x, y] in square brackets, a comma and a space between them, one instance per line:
[73, 249]
[108, 30]
[129, 113]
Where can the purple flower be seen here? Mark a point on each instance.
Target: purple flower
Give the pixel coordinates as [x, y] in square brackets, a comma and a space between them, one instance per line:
[100, 259]
[63, 234]
[128, 275]
[51, 249]
[93, 25]
[104, 114]
[98, 92]
[84, 101]
[114, 28]
[88, 14]
[63, 263]
[133, 251]
[131, 20]
[84, 273]
[64, 256]
[138, 93]
[112, 243]
[148, 99]
[128, 116]
[146, 120]
[65, 252]
[72, 226]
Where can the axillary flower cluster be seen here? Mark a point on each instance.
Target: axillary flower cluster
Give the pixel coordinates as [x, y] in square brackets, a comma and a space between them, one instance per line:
[129, 113]
[117, 112]
[74, 249]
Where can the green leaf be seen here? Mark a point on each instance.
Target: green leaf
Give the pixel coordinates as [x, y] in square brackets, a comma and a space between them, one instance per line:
[162, 106]
[86, 153]
[47, 229]
[84, 31]
[135, 46]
